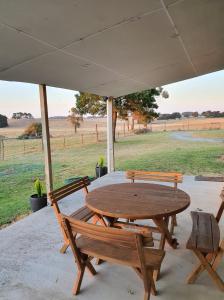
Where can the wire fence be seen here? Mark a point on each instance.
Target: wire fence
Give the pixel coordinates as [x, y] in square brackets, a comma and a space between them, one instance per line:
[13, 148]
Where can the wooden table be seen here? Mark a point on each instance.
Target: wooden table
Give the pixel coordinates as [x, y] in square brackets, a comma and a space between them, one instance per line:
[139, 201]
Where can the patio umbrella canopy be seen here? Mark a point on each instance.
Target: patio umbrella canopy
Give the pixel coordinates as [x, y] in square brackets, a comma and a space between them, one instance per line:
[110, 47]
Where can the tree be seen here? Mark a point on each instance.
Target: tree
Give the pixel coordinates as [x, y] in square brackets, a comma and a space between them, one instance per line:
[22, 115]
[175, 115]
[195, 114]
[141, 105]
[75, 118]
[3, 121]
[187, 114]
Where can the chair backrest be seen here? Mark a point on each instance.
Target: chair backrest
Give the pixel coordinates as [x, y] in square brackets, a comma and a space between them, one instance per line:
[67, 190]
[155, 176]
[221, 208]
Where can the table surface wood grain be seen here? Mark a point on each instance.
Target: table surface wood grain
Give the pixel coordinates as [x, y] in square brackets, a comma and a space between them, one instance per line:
[137, 200]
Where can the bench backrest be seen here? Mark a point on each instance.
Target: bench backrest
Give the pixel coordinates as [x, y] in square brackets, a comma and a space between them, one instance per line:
[221, 208]
[100, 233]
[155, 176]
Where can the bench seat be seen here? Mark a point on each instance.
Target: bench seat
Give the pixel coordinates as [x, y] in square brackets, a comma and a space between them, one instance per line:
[205, 235]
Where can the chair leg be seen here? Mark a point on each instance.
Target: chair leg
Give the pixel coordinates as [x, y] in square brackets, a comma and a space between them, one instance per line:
[198, 270]
[156, 273]
[78, 282]
[90, 267]
[212, 273]
[98, 261]
[147, 296]
[147, 284]
[219, 256]
[153, 287]
[173, 224]
[64, 248]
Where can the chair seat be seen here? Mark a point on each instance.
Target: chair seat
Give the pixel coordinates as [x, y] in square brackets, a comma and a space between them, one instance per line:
[83, 214]
[205, 235]
[117, 254]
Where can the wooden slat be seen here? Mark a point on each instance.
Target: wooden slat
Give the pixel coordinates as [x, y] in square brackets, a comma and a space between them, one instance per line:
[205, 233]
[113, 252]
[143, 230]
[107, 234]
[68, 189]
[154, 176]
[204, 237]
[84, 214]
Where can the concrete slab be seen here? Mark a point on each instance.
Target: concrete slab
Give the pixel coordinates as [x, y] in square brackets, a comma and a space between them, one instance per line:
[31, 266]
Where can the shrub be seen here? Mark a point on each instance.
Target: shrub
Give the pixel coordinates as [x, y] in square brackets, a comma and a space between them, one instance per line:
[142, 131]
[34, 130]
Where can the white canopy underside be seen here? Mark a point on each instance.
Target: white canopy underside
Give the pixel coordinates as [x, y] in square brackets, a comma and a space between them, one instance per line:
[110, 47]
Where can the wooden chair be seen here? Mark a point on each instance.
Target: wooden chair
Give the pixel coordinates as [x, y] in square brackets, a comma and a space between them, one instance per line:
[205, 243]
[172, 177]
[84, 213]
[113, 245]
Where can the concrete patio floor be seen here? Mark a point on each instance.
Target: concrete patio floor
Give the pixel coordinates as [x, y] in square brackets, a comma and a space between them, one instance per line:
[31, 267]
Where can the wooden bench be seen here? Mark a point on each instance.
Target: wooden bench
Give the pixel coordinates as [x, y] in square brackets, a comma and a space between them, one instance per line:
[112, 245]
[84, 213]
[172, 177]
[205, 243]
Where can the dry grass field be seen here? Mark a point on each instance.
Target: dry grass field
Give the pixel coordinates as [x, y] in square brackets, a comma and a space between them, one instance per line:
[58, 127]
[62, 127]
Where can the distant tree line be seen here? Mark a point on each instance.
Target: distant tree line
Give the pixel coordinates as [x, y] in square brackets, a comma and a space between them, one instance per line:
[22, 115]
[213, 114]
[190, 114]
[3, 121]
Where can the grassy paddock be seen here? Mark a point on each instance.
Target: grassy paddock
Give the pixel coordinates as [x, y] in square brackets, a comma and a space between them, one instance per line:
[154, 151]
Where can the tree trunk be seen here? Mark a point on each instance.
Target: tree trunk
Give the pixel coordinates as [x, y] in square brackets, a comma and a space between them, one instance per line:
[132, 124]
[114, 118]
[128, 123]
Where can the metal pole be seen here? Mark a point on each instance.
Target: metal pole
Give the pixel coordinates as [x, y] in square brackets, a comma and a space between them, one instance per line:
[110, 142]
[46, 137]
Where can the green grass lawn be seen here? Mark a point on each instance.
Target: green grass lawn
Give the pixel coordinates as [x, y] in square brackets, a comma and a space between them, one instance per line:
[154, 151]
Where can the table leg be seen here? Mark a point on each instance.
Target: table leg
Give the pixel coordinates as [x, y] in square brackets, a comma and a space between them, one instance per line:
[163, 226]
[156, 273]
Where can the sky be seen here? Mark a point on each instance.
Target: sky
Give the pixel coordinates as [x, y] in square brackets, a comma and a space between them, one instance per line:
[197, 94]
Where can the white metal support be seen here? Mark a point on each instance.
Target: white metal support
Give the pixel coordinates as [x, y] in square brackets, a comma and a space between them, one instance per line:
[110, 142]
[46, 137]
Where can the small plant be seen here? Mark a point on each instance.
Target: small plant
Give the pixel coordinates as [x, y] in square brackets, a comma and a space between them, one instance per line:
[101, 161]
[38, 187]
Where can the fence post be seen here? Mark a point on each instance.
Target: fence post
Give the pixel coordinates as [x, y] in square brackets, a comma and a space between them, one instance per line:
[82, 141]
[97, 134]
[24, 147]
[0, 149]
[64, 143]
[3, 150]
[124, 128]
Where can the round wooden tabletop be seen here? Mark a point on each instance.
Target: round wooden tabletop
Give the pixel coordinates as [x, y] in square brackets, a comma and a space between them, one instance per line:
[137, 200]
